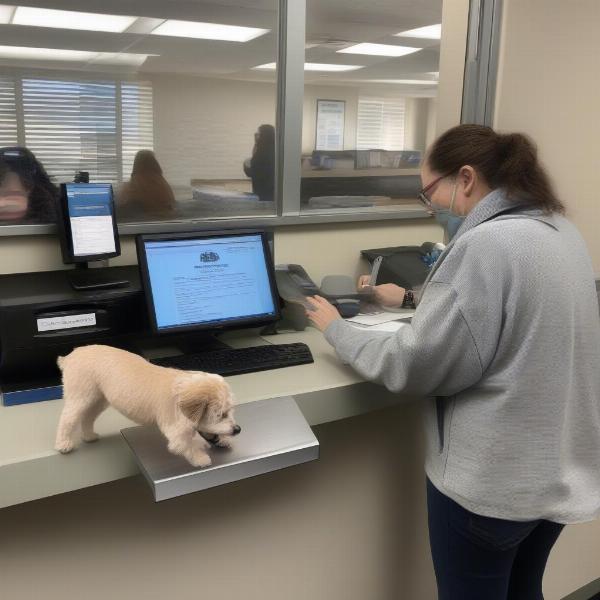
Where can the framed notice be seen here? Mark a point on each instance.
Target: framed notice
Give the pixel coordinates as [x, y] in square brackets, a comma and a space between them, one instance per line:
[330, 125]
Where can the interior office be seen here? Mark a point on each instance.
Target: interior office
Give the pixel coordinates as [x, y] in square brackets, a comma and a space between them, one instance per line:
[352, 523]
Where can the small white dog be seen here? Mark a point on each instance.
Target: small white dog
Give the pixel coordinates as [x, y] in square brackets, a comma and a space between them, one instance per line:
[186, 405]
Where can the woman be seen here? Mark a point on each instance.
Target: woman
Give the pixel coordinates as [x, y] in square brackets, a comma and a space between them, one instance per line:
[261, 167]
[27, 194]
[505, 343]
[147, 190]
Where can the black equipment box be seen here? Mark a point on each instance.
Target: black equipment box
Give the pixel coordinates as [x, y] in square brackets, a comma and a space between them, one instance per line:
[43, 317]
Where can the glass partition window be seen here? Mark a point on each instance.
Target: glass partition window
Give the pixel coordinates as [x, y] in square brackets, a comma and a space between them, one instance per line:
[175, 104]
[163, 102]
[371, 76]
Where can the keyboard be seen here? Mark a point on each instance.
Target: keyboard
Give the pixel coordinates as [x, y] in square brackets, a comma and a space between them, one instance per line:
[236, 361]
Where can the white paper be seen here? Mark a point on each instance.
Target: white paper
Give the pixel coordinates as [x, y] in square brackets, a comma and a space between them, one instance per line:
[390, 326]
[381, 317]
[330, 125]
[66, 322]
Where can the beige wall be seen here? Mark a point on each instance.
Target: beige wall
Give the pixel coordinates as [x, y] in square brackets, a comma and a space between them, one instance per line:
[415, 125]
[549, 88]
[431, 121]
[322, 249]
[204, 127]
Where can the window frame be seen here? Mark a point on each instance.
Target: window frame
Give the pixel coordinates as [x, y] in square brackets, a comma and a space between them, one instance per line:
[290, 97]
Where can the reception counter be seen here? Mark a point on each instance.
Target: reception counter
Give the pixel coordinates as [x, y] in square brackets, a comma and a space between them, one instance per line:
[31, 469]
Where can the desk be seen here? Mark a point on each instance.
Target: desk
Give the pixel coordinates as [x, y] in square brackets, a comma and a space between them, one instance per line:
[372, 172]
[30, 468]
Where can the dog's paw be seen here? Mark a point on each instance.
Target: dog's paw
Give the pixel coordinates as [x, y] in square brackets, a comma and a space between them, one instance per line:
[65, 447]
[90, 437]
[200, 459]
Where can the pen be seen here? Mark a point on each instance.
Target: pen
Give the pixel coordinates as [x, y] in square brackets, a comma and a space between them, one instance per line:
[375, 270]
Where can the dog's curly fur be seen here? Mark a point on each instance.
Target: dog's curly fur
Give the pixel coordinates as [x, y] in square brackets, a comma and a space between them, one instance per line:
[181, 403]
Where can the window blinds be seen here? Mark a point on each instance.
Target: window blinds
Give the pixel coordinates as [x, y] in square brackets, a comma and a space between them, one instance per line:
[137, 132]
[79, 125]
[380, 124]
[71, 126]
[8, 113]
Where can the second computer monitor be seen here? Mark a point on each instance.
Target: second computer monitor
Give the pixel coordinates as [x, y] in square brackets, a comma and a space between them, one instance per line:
[208, 281]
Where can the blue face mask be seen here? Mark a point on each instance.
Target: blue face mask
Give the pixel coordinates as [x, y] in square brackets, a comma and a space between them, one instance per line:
[450, 221]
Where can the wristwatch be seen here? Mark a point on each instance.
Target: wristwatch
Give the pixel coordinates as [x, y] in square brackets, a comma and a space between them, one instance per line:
[409, 300]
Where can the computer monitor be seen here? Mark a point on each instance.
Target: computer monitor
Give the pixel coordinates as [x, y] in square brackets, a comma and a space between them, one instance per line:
[208, 281]
[88, 222]
[88, 232]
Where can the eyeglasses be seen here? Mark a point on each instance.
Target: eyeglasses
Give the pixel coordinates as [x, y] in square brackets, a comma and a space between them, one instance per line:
[423, 197]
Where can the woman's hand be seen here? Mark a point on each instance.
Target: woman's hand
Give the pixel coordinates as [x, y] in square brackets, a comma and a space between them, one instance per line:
[386, 294]
[322, 313]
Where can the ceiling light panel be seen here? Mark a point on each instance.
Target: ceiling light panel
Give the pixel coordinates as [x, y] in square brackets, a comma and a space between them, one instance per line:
[6, 13]
[379, 50]
[208, 31]
[314, 67]
[404, 81]
[25, 53]
[431, 32]
[68, 19]
[333, 68]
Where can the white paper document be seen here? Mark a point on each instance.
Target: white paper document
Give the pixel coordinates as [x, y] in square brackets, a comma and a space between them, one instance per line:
[381, 317]
[390, 326]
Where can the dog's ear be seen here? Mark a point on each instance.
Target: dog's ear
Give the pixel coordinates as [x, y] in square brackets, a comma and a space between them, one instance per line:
[194, 397]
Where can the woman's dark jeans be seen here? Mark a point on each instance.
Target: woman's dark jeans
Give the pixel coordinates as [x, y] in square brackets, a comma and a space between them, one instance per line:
[480, 558]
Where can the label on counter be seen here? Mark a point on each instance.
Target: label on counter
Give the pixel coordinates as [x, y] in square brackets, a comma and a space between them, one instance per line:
[66, 322]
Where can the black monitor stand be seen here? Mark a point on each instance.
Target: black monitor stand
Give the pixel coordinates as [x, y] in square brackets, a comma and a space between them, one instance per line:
[82, 277]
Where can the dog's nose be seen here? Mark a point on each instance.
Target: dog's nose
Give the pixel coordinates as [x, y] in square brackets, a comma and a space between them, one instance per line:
[236, 429]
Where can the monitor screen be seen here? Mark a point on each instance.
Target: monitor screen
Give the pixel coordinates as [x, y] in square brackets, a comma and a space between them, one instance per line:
[207, 280]
[89, 221]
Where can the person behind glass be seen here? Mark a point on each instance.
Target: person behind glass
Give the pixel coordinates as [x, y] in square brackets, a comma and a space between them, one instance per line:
[261, 167]
[504, 345]
[27, 194]
[147, 192]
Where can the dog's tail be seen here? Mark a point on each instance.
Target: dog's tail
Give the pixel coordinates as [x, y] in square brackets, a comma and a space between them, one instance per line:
[60, 361]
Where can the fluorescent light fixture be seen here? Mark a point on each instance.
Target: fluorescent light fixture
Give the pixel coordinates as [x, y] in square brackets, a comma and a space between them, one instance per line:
[404, 81]
[313, 67]
[208, 31]
[431, 32]
[120, 58]
[326, 67]
[69, 19]
[379, 50]
[24, 53]
[6, 13]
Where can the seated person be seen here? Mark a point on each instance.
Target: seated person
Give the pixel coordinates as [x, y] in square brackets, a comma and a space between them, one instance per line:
[147, 192]
[27, 194]
[261, 167]
[14, 196]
